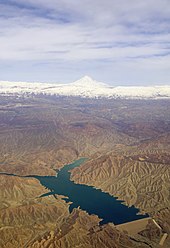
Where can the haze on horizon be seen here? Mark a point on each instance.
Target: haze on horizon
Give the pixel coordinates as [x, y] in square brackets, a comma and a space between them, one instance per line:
[117, 42]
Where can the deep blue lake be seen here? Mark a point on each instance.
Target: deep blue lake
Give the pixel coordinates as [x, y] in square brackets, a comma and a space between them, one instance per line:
[94, 201]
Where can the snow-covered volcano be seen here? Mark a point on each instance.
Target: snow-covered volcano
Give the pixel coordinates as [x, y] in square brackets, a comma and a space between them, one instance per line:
[86, 87]
[87, 81]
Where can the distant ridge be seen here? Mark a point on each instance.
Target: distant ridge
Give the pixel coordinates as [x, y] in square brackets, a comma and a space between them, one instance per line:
[86, 87]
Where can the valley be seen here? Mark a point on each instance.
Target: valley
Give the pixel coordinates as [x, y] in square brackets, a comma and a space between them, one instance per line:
[127, 146]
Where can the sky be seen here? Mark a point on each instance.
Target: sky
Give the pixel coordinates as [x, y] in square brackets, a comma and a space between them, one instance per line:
[120, 42]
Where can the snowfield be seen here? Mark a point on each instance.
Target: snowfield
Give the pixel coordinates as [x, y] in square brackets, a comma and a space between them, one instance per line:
[86, 87]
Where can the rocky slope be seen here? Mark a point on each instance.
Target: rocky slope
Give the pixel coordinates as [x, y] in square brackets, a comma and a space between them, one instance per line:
[23, 215]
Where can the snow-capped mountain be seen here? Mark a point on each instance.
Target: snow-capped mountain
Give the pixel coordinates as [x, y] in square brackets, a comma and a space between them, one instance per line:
[86, 87]
[87, 81]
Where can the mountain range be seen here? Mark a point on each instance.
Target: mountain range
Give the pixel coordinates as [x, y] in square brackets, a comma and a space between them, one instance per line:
[86, 87]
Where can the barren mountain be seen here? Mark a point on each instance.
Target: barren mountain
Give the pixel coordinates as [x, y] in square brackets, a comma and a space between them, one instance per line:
[29, 221]
[127, 146]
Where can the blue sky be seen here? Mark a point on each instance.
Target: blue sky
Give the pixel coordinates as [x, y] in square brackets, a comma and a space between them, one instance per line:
[125, 42]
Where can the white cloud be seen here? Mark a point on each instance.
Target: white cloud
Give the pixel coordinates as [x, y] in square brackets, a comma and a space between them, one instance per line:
[130, 32]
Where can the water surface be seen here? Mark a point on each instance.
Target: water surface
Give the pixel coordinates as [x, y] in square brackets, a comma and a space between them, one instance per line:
[94, 201]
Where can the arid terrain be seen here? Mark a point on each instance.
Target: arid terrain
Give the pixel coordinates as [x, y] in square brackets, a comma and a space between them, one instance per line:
[128, 150]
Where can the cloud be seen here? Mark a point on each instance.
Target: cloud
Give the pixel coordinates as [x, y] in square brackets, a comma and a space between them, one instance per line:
[69, 33]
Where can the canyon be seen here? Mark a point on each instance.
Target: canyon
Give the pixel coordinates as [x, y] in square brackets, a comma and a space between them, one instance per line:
[127, 145]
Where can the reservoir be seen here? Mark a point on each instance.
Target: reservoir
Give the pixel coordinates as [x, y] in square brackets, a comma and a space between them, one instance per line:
[92, 200]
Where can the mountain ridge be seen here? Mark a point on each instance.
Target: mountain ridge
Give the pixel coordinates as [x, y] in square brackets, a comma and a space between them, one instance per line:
[86, 87]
